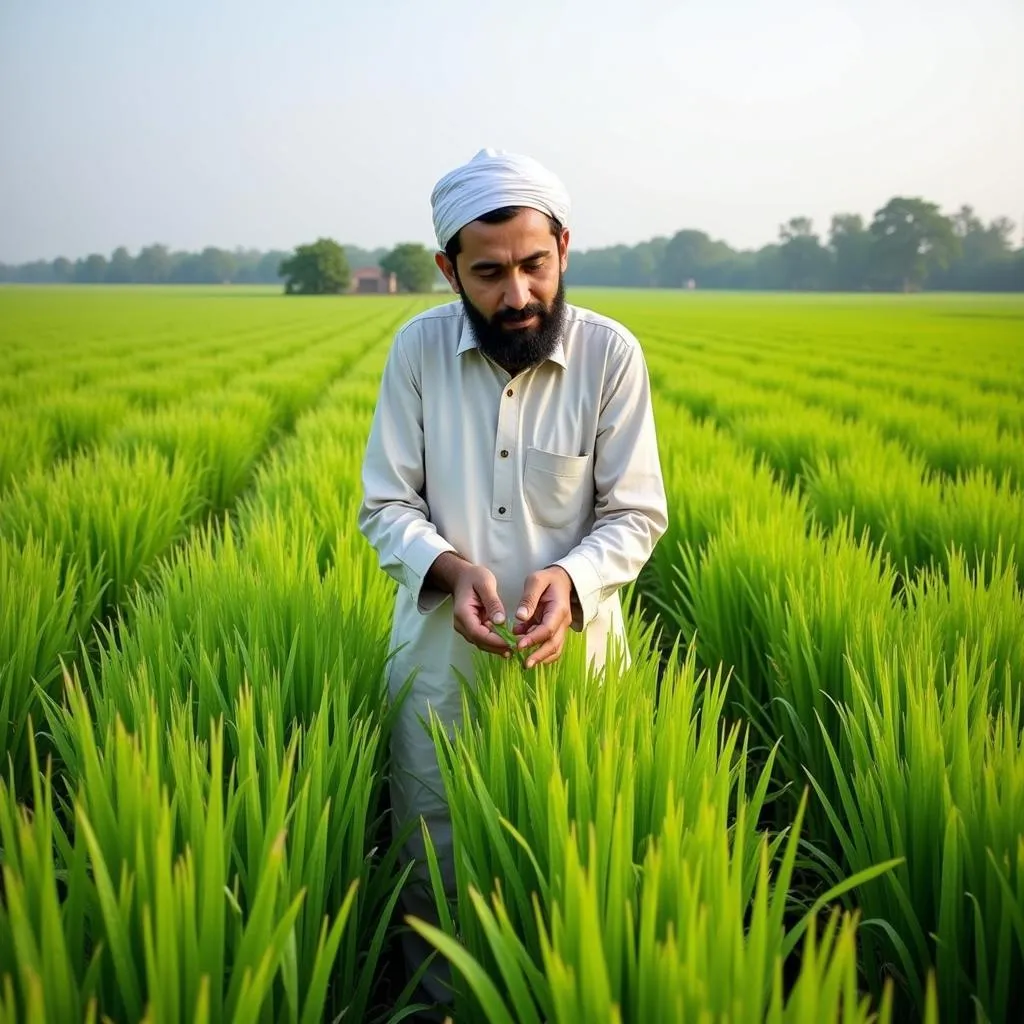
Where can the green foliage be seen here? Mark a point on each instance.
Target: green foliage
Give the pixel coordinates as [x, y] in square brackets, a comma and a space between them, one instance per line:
[812, 814]
[413, 265]
[317, 268]
[911, 238]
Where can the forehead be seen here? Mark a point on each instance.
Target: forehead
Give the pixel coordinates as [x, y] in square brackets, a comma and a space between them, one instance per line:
[526, 233]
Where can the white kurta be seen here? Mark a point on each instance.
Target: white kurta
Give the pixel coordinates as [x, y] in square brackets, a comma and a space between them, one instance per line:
[558, 465]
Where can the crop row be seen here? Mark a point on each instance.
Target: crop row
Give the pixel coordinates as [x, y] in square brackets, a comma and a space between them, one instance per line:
[812, 717]
[76, 538]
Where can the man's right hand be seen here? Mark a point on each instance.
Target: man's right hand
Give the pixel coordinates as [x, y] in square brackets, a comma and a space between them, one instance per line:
[476, 602]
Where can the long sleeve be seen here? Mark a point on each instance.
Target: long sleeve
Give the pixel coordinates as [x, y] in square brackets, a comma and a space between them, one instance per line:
[393, 515]
[631, 509]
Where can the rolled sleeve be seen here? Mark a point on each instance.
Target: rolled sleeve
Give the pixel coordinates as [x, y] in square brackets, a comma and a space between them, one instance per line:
[588, 589]
[393, 516]
[417, 559]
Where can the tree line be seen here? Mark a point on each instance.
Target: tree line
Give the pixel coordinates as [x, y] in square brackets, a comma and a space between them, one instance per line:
[908, 245]
[157, 264]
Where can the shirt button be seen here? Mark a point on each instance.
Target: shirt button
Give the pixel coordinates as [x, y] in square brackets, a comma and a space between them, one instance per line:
[501, 510]
[504, 453]
[509, 392]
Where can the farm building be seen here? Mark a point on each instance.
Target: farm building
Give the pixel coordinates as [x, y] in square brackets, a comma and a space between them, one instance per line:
[373, 280]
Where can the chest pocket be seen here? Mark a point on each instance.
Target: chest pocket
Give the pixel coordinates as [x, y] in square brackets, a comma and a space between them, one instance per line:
[555, 487]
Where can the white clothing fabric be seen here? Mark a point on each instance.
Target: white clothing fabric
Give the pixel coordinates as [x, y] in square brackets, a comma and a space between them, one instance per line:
[558, 465]
[495, 178]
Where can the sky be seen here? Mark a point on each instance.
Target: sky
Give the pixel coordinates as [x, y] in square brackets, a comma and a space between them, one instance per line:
[265, 125]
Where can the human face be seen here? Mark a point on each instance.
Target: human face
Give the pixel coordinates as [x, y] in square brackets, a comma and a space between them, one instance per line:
[510, 278]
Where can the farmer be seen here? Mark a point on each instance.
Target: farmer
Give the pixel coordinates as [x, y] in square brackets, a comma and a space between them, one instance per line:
[511, 473]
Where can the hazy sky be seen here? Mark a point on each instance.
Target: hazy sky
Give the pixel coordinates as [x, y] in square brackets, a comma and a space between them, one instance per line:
[238, 122]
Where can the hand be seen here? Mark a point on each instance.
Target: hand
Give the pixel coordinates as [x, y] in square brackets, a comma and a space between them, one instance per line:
[544, 615]
[477, 605]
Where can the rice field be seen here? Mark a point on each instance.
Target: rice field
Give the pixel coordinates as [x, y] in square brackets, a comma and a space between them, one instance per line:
[802, 801]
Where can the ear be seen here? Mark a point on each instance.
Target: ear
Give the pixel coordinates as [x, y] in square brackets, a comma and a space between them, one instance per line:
[445, 266]
[563, 248]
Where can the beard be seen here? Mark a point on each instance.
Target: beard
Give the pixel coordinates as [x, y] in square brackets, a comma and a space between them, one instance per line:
[516, 348]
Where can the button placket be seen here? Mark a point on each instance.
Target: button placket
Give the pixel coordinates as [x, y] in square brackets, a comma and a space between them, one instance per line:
[504, 464]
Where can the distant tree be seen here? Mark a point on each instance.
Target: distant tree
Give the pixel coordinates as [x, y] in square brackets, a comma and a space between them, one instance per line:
[268, 270]
[412, 264]
[911, 239]
[153, 265]
[121, 268]
[595, 268]
[36, 272]
[981, 245]
[91, 270]
[216, 266]
[687, 254]
[770, 272]
[62, 270]
[850, 242]
[319, 268]
[806, 265]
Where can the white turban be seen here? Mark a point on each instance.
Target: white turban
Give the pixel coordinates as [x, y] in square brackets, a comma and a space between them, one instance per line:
[494, 178]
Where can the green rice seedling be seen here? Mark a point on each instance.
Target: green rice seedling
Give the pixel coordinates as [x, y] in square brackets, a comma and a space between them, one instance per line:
[220, 436]
[38, 630]
[314, 476]
[208, 879]
[680, 946]
[219, 608]
[926, 773]
[26, 445]
[149, 391]
[708, 479]
[78, 420]
[721, 592]
[110, 514]
[980, 605]
[954, 446]
[982, 516]
[810, 615]
[790, 435]
[292, 389]
[47, 975]
[607, 857]
[911, 514]
[880, 487]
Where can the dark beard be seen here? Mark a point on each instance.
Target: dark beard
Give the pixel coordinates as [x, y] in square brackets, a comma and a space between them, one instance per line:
[516, 349]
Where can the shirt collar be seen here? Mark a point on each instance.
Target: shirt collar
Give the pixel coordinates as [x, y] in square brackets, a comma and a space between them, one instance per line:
[467, 340]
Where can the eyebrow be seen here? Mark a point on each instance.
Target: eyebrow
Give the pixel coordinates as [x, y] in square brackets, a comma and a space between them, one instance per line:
[491, 264]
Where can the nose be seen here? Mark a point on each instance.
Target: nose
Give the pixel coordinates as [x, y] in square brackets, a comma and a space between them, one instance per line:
[517, 291]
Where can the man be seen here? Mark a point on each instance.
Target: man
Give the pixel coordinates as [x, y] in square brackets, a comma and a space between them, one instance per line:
[512, 472]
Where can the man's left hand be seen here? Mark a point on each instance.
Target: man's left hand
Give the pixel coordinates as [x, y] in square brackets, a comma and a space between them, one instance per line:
[544, 615]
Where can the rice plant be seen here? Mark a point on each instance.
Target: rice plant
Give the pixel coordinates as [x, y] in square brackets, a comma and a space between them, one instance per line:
[609, 865]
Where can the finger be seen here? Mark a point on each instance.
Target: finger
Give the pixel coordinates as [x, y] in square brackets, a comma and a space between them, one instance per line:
[533, 590]
[491, 608]
[555, 619]
[469, 625]
[546, 653]
[486, 641]
[536, 634]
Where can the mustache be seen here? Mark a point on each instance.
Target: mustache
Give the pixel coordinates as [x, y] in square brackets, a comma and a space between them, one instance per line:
[518, 316]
